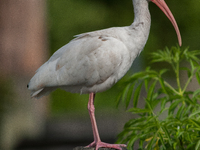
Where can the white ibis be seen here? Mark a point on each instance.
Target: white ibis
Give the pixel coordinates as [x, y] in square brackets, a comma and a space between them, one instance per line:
[94, 61]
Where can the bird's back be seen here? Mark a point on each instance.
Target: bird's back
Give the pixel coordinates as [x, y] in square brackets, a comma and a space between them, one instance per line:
[92, 62]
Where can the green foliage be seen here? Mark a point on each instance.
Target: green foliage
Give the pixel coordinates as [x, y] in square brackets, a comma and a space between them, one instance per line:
[170, 119]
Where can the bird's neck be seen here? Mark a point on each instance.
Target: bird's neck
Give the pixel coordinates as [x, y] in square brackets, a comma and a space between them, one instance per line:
[141, 26]
[141, 12]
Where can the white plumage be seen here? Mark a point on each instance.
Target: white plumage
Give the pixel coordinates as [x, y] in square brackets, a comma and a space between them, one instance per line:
[94, 61]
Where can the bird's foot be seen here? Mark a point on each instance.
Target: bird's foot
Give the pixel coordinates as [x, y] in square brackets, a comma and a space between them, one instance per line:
[99, 144]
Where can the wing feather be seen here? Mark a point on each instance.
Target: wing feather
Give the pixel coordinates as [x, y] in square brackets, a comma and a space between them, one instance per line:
[88, 60]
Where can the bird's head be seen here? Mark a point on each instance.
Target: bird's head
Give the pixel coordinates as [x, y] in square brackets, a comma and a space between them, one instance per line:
[163, 6]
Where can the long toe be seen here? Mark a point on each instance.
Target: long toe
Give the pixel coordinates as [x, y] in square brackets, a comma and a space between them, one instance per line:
[93, 144]
[106, 145]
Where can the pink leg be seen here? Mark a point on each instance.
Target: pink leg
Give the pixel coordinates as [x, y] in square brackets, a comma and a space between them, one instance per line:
[97, 141]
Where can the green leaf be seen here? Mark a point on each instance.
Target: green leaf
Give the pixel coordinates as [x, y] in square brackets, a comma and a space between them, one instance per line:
[196, 123]
[137, 94]
[124, 93]
[192, 65]
[192, 55]
[167, 134]
[161, 72]
[190, 146]
[161, 139]
[198, 77]
[195, 93]
[161, 56]
[189, 101]
[179, 134]
[154, 103]
[129, 94]
[151, 90]
[152, 141]
[197, 147]
[174, 105]
[146, 83]
[141, 143]
[149, 105]
[150, 126]
[180, 111]
[131, 141]
[135, 122]
[163, 86]
[163, 103]
[194, 113]
[137, 76]
[118, 99]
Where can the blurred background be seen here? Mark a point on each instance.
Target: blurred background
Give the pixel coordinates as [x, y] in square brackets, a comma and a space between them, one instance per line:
[32, 30]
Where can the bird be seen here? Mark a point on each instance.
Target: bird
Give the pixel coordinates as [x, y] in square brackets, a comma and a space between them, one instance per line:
[93, 62]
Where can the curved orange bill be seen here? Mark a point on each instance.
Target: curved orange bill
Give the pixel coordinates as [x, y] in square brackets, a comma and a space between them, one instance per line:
[163, 6]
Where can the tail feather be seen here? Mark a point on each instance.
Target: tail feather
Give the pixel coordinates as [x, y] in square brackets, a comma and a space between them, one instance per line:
[36, 93]
[42, 92]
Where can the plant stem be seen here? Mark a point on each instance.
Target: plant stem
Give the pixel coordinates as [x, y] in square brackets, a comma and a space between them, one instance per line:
[187, 83]
[169, 86]
[178, 79]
